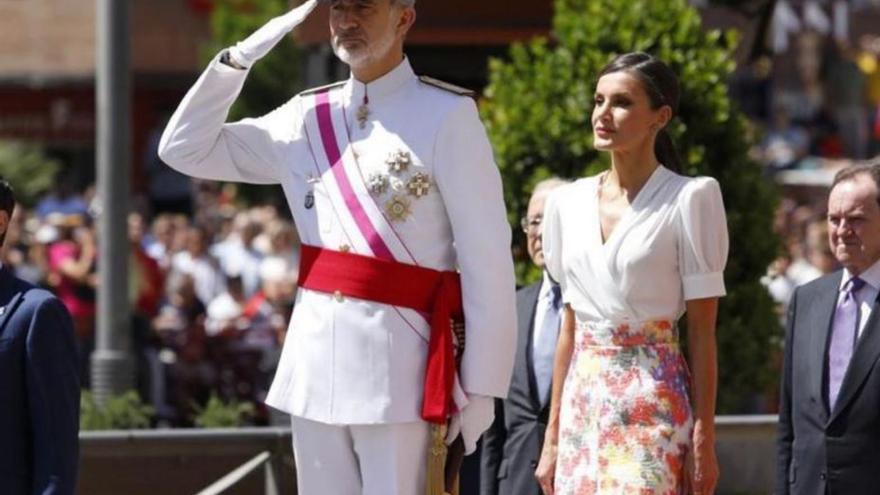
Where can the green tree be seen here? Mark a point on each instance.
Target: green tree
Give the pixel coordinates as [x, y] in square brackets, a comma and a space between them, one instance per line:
[28, 170]
[275, 78]
[537, 110]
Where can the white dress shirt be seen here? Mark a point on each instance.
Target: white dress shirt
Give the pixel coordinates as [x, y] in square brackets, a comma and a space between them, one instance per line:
[544, 336]
[867, 295]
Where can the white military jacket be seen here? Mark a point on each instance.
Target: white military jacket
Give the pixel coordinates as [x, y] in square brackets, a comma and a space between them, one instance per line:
[418, 178]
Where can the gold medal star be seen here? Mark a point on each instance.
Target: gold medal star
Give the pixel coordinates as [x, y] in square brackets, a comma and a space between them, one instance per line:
[398, 208]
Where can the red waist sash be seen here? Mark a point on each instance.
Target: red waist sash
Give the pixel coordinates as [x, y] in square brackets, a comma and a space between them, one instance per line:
[431, 292]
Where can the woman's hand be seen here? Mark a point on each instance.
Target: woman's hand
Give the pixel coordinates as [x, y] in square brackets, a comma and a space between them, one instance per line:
[546, 471]
[702, 468]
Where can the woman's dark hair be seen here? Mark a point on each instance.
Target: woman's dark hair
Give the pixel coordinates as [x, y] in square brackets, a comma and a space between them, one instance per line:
[662, 87]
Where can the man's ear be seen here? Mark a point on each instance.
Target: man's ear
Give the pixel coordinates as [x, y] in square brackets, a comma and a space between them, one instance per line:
[4, 223]
[407, 19]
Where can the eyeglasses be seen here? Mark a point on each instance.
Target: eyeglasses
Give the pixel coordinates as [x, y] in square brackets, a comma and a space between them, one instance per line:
[531, 225]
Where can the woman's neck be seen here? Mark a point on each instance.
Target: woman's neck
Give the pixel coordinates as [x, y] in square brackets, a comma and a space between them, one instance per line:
[631, 169]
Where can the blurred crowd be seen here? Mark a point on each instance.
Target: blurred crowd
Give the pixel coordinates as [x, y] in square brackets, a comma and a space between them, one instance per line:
[828, 110]
[816, 109]
[211, 291]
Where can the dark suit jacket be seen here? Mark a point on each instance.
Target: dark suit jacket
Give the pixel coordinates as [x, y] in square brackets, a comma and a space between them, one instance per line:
[512, 446]
[39, 392]
[820, 450]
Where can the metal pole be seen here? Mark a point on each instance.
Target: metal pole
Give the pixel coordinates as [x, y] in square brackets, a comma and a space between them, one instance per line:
[112, 369]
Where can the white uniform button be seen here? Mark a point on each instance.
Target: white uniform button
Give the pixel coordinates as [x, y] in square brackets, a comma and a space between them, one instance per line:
[344, 248]
[338, 296]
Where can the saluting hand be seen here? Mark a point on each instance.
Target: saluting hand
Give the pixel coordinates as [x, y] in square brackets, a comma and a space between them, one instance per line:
[257, 45]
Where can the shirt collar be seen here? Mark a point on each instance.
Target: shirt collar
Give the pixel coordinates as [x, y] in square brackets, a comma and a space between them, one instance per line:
[384, 86]
[546, 286]
[871, 276]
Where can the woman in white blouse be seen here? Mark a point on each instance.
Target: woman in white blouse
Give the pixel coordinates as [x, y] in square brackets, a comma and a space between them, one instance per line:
[634, 248]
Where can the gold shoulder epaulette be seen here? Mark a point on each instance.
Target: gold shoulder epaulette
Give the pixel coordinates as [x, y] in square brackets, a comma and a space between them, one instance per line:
[322, 88]
[445, 86]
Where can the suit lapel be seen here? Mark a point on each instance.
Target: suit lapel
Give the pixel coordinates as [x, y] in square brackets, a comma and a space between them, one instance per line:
[528, 319]
[821, 317]
[865, 355]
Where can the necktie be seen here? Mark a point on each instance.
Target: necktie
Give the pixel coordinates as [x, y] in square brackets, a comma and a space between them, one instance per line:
[843, 337]
[545, 343]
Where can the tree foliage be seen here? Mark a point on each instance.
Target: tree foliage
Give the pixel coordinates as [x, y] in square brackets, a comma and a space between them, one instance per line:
[537, 111]
[276, 77]
[27, 168]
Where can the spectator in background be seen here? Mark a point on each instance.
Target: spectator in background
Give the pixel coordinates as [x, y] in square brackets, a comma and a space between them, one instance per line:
[146, 278]
[237, 253]
[845, 89]
[225, 312]
[179, 365]
[785, 144]
[159, 245]
[283, 242]
[869, 64]
[197, 262]
[72, 276]
[62, 199]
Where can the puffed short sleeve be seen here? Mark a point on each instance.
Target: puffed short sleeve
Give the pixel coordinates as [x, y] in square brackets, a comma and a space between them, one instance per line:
[703, 240]
[551, 239]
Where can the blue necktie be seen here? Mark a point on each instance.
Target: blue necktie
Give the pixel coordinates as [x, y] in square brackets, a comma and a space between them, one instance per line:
[545, 344]
[843, 337]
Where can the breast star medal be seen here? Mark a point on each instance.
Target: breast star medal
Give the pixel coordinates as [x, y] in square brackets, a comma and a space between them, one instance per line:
[378, 184]
[418, 185]
[398, 208]
[399, 161]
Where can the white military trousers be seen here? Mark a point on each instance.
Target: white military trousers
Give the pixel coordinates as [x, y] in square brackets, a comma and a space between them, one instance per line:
[383, 459]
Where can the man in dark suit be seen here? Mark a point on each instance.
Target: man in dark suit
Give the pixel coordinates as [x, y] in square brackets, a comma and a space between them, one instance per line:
[39, 384]
[512, 446]
[829, 414]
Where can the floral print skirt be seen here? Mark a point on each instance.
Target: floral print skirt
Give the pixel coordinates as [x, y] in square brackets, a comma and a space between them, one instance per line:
[626, 419]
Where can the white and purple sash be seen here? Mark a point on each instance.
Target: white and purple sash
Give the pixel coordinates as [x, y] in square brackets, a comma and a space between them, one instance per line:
[363, 221]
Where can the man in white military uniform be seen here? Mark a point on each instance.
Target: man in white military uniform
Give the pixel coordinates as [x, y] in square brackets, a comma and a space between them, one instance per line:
[392, 185]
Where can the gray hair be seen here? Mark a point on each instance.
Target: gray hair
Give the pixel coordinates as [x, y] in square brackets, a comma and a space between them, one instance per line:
[870, 168]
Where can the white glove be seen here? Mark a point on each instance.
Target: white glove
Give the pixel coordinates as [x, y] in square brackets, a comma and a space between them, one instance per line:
[475, 418]
[258, 44]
